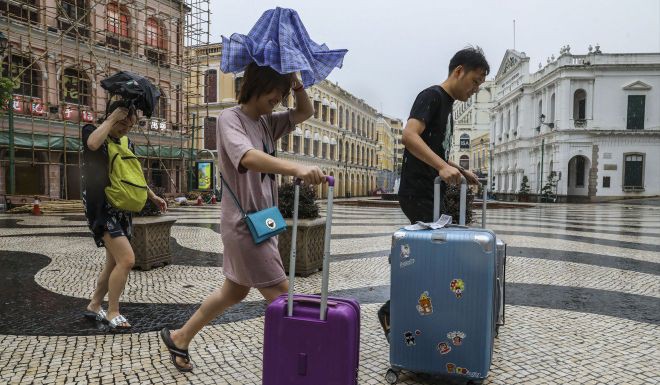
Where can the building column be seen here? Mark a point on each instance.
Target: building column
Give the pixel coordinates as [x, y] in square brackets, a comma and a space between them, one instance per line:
[593, 173]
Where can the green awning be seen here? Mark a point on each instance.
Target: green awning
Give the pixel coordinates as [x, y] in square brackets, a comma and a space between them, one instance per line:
[56, 142]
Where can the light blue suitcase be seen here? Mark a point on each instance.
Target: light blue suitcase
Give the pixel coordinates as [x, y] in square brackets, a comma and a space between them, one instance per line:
[443, 300]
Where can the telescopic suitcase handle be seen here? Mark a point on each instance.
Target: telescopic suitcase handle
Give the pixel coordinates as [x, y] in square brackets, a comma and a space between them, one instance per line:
[326, 248]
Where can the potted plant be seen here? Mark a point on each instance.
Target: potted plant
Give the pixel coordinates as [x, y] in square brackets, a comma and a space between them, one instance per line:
[452, 203]
[523, 193]
[311, 229]
[151, 235]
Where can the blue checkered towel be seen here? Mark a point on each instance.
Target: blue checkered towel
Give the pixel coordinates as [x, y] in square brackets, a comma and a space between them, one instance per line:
[280, 40]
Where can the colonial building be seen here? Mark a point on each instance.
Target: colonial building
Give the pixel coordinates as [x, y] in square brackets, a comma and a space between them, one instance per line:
[340, 138]
[592, 120]
[480, 154]
[397, 129]
[386, 155]
[471, 120]
[58, 52]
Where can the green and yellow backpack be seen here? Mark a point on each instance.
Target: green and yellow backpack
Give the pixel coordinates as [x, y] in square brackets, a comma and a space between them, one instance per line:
[127, 189]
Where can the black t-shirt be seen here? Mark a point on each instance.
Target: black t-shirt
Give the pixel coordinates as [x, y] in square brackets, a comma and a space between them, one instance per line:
[94, 179]
[433, 106]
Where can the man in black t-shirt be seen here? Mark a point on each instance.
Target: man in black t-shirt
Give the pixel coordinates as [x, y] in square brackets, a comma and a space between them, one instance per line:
[427, 138]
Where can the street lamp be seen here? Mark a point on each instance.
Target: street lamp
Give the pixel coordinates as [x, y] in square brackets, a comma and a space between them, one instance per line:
[4, 43]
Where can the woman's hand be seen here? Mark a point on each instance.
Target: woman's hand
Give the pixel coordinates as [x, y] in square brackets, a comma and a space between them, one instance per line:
[119, 114]
[310, 175]
[160, 202]
[296, 83]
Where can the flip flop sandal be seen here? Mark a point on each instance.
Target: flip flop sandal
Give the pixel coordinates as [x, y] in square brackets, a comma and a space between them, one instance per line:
[100, 316]
[176, 352]
[115, 324]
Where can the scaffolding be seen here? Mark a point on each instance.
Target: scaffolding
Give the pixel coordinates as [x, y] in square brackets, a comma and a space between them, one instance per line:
[60, 50]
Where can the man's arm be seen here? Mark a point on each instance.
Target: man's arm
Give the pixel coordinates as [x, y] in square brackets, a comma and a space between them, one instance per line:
[469, 175]
[414, 143]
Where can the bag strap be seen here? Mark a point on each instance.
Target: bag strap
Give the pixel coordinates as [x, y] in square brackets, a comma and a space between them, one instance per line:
[272, 182]
[233, 196]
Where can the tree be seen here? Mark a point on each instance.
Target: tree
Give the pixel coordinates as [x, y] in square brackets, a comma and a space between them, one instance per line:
[548, 191]
[6, 88]
[523, 193]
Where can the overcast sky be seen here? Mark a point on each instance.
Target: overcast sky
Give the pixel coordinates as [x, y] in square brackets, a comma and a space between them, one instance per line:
[398, 48]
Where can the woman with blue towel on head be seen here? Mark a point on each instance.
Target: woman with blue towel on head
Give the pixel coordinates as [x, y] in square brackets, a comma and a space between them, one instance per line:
[247, 135]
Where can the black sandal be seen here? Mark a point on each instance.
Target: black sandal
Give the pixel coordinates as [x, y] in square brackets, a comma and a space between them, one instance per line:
[100, 316]
[175, 351]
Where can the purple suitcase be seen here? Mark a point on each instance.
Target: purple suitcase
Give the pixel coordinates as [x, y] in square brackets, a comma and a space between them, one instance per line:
[311, 339]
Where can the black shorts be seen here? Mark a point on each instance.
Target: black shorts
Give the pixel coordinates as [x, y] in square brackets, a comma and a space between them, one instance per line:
[118, 223]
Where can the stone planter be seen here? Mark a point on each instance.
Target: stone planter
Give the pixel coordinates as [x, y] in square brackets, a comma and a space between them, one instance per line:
[151, 241]
[309, 248]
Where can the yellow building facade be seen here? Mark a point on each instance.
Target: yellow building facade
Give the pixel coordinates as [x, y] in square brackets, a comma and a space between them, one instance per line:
[386, 154]
[480, 151]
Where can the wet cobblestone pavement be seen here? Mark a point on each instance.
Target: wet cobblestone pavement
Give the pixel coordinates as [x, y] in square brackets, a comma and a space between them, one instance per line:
[583, 299]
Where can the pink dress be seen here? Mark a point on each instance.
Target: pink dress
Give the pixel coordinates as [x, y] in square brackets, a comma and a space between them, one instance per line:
[244, 262]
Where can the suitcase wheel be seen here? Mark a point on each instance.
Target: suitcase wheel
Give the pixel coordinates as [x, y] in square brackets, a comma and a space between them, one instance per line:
[391, 377]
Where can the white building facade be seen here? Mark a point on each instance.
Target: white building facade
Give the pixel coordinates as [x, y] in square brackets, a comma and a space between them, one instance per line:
[593, 120]
[471, 120]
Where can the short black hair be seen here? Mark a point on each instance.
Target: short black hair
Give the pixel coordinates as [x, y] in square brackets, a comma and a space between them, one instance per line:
[259, 80]
[471, 58]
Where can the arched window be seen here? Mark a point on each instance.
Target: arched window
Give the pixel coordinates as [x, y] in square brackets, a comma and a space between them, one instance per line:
[118, 20]
[515, 121]
[161, 110]
[28, 75]
[552, 109]
[580, 105]
[75, 87]
[296, 140]
[155, 34]
[464, 161]
[341, 117]
[307, 144]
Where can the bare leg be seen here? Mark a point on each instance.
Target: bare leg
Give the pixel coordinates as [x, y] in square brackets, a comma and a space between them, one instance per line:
[215, 304]
[124, 258]
[272, 292]
[102, 283]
